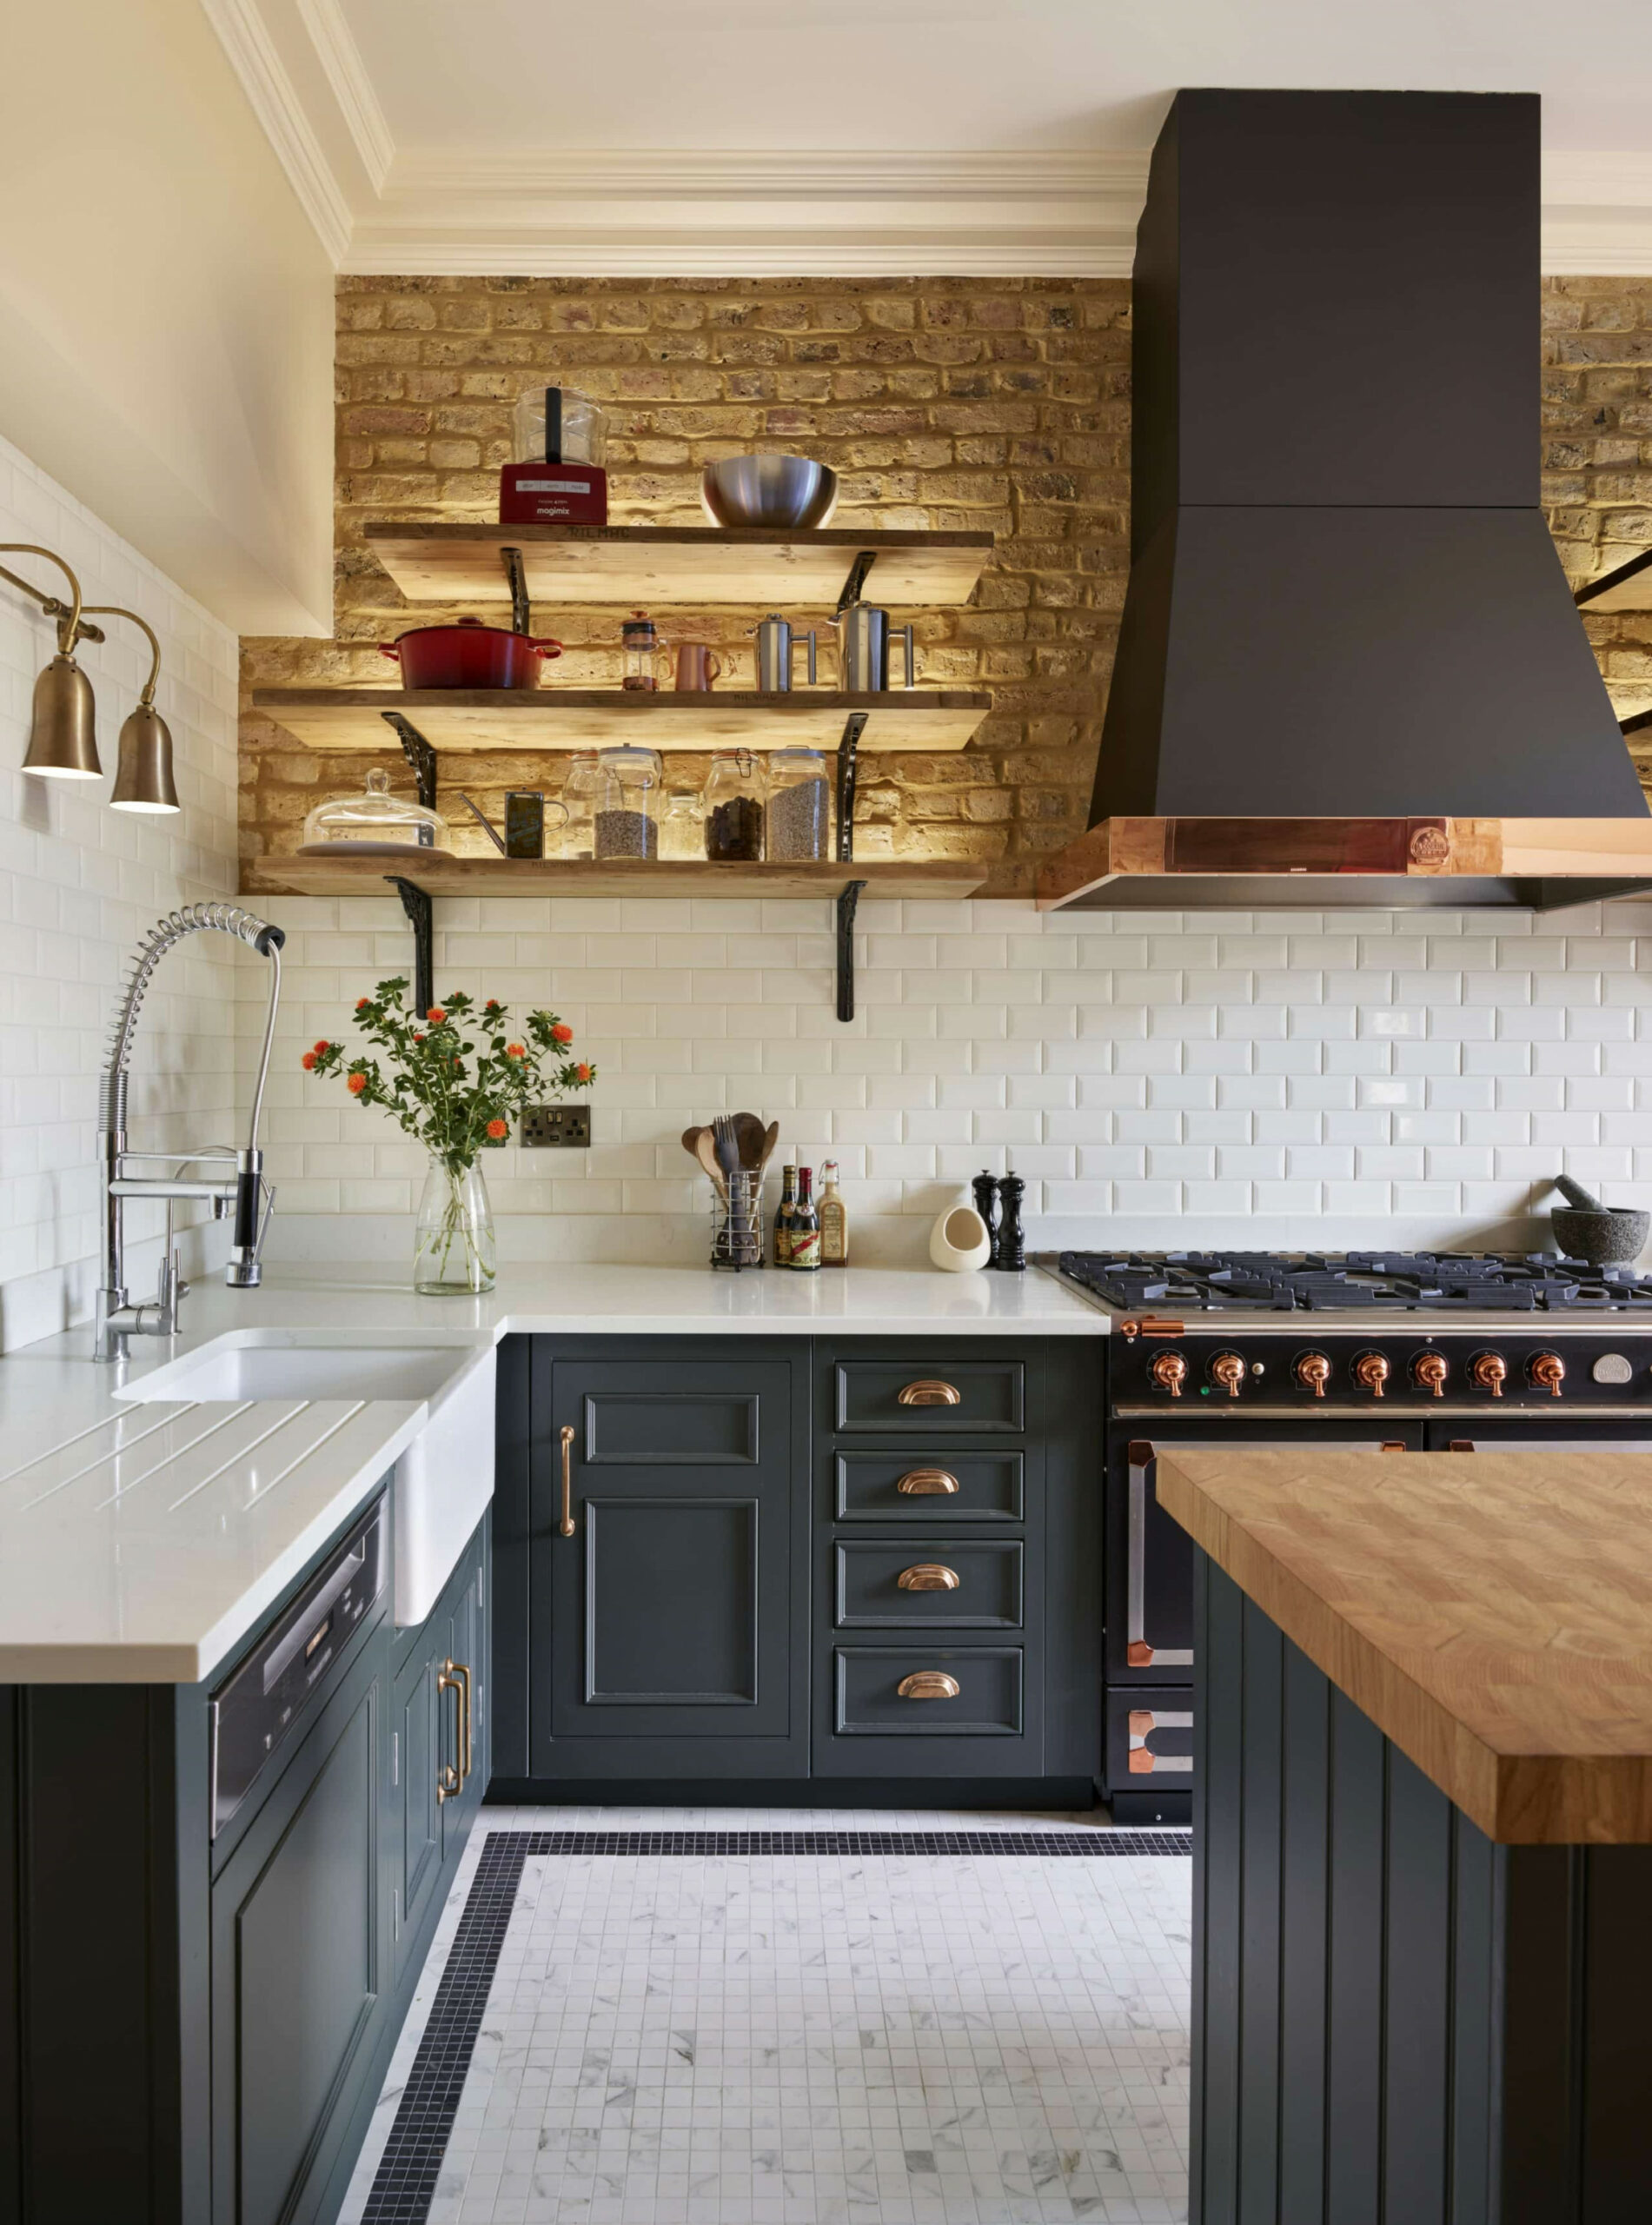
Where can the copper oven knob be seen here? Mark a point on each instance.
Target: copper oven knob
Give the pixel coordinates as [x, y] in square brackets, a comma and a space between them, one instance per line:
[1371, 1372]
[1313, 1372]
[1169, 1371]
[1228, 1370]
[1489, 1372]
[1428, 1371]
[1547, 1372]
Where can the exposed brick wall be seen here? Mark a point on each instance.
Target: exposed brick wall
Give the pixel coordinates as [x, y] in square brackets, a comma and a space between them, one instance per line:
[1597, 459]
[941, 401]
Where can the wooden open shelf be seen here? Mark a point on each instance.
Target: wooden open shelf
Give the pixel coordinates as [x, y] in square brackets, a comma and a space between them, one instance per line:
[1628, 587]
[440, 874]
[581, 718]
[635, 564]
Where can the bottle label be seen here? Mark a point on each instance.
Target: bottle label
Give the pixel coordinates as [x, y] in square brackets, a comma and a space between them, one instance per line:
[806, 1248]
[833, 1233]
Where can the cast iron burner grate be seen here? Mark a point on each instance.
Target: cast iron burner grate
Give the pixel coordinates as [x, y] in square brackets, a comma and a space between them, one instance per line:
[1329, 1282]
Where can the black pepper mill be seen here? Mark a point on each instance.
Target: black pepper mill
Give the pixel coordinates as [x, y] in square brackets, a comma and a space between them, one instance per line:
[984, 1189]
[1009, 1250]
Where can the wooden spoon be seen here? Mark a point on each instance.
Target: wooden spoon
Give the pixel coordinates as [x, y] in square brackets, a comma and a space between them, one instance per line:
[706, 1152]
[771, 1137]
[749, 1133]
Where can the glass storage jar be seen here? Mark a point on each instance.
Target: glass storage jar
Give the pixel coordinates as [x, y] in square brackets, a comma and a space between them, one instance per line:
[628, 801]
[579, 799]
[682, 837]
[373, 823]
[734, 804]
[799, 806]
[555, 425]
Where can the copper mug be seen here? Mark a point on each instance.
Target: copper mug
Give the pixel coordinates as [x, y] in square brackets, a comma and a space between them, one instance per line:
[698, 666]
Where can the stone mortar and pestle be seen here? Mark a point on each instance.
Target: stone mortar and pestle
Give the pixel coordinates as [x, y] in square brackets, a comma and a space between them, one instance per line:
[1602, 1236]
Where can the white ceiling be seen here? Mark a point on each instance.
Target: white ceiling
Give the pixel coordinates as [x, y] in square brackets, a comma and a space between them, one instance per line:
[715, 136]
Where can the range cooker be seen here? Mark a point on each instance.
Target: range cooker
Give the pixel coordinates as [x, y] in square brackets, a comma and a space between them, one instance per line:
[1396, 1351]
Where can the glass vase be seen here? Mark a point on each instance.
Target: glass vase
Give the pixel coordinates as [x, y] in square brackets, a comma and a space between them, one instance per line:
[453, 1244]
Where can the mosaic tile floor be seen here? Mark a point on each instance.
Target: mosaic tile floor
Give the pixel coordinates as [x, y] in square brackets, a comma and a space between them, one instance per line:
[900, 2039]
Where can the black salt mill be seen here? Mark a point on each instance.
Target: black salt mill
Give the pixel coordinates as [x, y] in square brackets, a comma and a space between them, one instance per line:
[1009, 1249]
[985, 1190]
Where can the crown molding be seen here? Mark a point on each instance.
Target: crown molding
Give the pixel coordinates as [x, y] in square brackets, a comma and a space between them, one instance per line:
[351, 87]
[245, 39]
[800, 214]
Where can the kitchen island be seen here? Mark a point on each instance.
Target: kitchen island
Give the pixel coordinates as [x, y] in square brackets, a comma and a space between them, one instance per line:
[1423, 1835]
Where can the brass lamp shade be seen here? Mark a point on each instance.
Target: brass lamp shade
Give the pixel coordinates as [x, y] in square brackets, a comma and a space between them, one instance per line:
[143, 771]
[62, 744]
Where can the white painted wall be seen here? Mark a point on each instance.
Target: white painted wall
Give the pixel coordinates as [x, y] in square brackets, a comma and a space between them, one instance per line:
[78, 884]
[1247, 1078]
[166, 309]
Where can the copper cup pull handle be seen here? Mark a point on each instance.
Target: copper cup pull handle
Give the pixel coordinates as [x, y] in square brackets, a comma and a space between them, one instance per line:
[928, 1575]
[928, 1684]
[928, 1392]
[565, 1527]
[926, 1482]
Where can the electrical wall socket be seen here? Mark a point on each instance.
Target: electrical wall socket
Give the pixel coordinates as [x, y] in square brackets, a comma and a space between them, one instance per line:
[556, 1128]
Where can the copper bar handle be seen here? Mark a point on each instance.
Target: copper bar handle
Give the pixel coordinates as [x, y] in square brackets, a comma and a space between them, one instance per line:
[924, 1482]
[565, 1527]
[448, 1780]
[928, 1392]
[928, 1684]
[927, 1576]
[459, 1670]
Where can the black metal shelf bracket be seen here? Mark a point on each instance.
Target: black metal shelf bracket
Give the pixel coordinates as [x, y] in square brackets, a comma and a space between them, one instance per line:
[418, 753]
[847, 901]
[857, 579]
[521, 616]
[848, 767]
[415, 903]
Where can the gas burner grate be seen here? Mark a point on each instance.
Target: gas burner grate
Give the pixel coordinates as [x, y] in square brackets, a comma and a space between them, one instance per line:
[1328, 1282]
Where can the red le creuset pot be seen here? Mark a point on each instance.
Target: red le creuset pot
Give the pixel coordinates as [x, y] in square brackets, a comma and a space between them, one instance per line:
[468, 655]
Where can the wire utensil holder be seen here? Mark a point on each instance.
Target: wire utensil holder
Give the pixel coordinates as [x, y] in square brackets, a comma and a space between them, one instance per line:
[737, 1220]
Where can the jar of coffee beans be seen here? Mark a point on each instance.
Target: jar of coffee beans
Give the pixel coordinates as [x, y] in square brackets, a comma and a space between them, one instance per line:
[799, 806]
[734, 808]
[627, 802]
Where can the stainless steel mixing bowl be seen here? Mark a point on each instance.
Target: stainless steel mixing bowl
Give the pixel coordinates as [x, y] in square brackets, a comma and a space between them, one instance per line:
[769, 490]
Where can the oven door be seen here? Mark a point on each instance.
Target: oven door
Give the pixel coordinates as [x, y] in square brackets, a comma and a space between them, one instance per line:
[1527, 1432]
[1150, 1558]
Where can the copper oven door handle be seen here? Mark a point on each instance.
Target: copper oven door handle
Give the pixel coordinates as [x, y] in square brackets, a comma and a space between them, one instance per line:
[929, 1391]
[565, 1527]
[1139, 1653]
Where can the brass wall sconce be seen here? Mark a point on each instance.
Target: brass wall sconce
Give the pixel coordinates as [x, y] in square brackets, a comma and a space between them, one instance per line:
[62, 739]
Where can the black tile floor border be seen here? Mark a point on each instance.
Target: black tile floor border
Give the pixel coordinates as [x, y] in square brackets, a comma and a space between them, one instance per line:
[406, 2180]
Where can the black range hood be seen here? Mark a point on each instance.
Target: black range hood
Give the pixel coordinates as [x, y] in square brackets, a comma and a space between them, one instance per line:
[1349, 667]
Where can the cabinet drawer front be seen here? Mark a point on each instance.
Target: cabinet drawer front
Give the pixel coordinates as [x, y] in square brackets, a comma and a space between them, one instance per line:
[991, 1486]
[991, 1394]
[710, 1428]
[868, 1703]
[984, 1593]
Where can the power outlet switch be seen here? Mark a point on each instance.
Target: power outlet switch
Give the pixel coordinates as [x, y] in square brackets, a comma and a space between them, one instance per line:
[556, 1128]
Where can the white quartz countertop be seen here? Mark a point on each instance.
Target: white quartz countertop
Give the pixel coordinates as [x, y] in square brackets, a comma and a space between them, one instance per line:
[143, 1543]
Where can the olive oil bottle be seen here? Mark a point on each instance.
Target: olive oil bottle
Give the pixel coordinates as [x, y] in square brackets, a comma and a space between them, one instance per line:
[834, 1219]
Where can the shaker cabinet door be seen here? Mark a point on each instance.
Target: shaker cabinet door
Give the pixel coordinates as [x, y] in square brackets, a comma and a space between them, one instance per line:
[664, 1598]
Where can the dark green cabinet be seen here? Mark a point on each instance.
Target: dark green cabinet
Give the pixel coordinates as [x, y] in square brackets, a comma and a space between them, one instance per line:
[666, 1566]
[439, 1747]
[777, 1555]
[300, 1956]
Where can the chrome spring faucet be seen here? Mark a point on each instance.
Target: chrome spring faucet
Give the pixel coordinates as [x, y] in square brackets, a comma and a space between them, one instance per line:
[243, 1193]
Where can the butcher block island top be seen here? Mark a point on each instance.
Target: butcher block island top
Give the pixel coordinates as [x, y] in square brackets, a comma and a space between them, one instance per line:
[1490, 1612]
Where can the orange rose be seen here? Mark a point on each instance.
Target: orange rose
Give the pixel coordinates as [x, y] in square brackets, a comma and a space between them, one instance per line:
[308, 1061]
[561, 1033]
[435, 1015]
[583, 1071]
[492, 1004]
[356, 1084]
[361, 1003]
[514, 1050]
[498, 1130]
[322, 1046]
[417, 1037]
